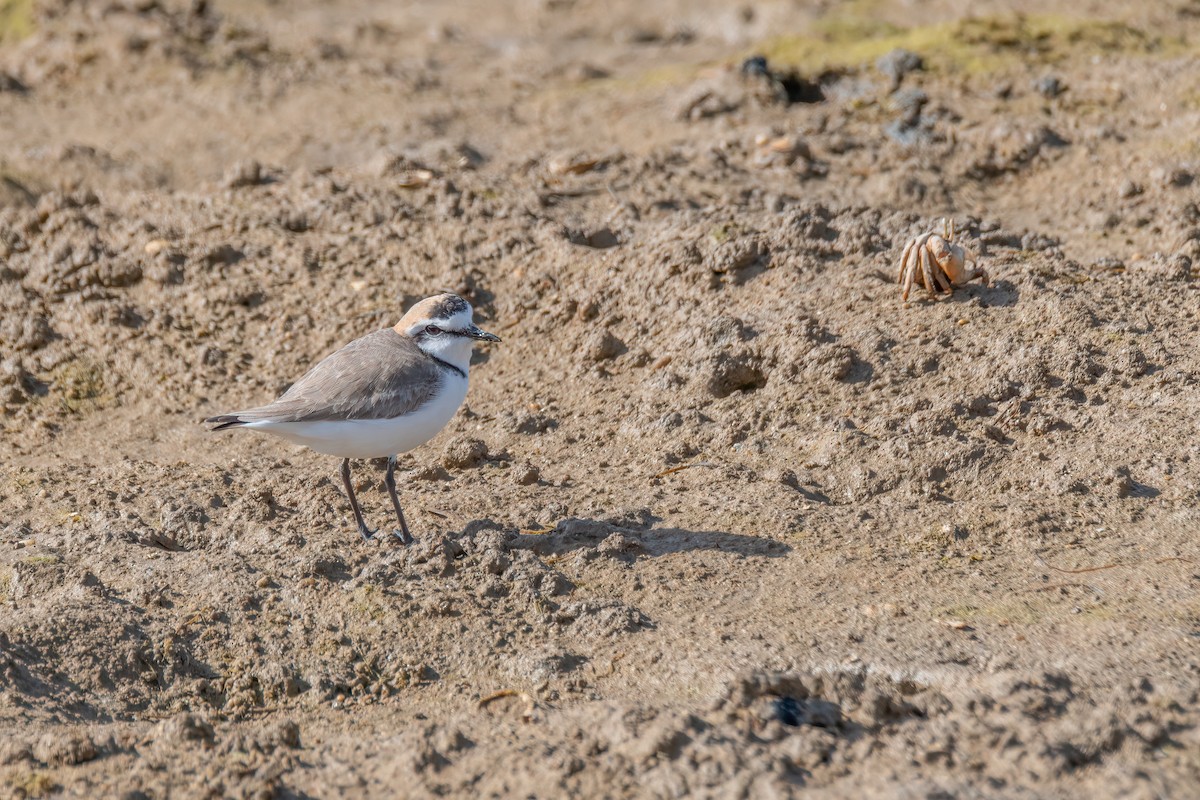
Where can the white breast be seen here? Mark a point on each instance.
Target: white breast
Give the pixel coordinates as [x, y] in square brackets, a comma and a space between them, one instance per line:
[375, 438]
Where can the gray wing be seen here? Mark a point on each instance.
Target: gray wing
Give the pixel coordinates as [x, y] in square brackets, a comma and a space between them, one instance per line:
[380, 376]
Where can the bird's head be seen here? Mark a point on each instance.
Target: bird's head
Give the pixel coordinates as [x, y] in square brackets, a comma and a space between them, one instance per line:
[442, 327]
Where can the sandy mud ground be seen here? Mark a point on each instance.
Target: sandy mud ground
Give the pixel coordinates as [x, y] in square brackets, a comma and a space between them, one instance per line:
[722, 516]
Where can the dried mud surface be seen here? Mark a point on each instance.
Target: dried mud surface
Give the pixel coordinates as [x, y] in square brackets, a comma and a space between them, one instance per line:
[721, 516]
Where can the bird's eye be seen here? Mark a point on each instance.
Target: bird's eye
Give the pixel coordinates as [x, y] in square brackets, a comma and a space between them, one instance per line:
[433, 330]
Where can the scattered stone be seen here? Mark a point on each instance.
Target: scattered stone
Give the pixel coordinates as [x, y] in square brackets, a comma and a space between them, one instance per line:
[581, 73]
[738, 254]
[618, 544]
[14, 751]
[1049, 86]
[603, 346]
[525, 474]
[287, 733]
[1128, 189]
[665, 738]
[789, 710]
[898, 63]
[755, 66]
[244, 173]
[430, 472]
[407, 172]
[782, 86]
[704, 102]
[781, 151]
[223, 254]
[573, 163]
[184, 731]
[181, 525]
[599, 239]
[1037, 242]
[10, 83]
[1161, 268]
[69, 749]
[452, 740]
[911, 128]
[728, 373]
[463, 452]
[1168, 178]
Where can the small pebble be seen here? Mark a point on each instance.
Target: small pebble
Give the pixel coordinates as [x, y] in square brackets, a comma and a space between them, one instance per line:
[244, 173]
[1128, 189]
[526, 474]
[1049, 86]
[462, 452]
[603, 346]
[898, 63]
[788, 711]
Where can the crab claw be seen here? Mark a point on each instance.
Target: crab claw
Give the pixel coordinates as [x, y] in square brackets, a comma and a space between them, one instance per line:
[974, 270]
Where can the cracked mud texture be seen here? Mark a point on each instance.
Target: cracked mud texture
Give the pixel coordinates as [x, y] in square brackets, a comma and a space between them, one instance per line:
[721, 516]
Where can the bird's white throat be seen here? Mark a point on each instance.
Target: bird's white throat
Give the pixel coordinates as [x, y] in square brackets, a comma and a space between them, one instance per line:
[454, 350]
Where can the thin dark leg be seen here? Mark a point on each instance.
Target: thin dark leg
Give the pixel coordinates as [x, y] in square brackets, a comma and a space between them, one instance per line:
[390, 482]
[366, 532]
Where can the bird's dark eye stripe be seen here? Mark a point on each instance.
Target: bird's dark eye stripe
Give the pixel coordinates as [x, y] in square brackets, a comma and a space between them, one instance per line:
[434, 330]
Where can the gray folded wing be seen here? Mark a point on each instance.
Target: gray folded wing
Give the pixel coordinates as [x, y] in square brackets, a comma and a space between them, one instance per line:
[383, 375]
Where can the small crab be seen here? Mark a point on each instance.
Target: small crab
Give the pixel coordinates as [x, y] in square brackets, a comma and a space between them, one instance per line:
[937, 263]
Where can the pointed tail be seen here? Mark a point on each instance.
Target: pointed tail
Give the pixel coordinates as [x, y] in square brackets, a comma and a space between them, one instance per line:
[224, 421]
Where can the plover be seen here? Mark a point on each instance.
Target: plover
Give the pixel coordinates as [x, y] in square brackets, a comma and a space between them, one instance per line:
[379, 396]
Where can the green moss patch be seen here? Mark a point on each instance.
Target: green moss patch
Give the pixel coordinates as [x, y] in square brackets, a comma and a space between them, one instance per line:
[16, 19]
[967, 46]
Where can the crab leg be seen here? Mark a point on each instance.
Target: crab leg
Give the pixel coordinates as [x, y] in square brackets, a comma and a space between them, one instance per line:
[944, 279]
[904, 260]
[927, 272]
[909, 271]
[910, 264]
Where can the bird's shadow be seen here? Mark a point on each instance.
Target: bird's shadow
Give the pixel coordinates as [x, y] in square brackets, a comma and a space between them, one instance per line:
[580, 534]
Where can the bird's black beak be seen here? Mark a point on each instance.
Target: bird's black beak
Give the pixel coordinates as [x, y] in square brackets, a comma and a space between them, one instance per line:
[481, 335]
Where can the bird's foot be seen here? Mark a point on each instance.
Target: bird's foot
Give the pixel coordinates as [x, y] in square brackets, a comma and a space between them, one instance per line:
[367, 534]
[404, 536]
